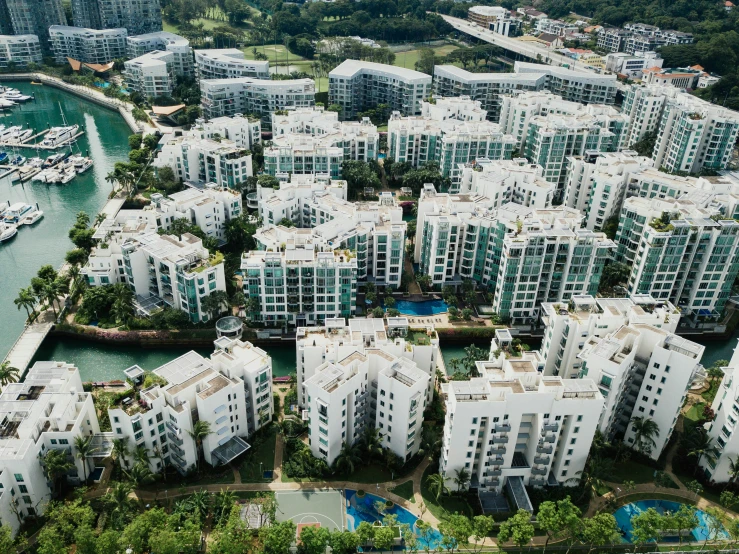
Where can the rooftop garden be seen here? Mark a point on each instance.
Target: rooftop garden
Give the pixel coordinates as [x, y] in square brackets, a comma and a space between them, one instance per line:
[662, 223]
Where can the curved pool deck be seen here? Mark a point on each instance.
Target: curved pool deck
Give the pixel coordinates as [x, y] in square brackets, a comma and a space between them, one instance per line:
[422, 308]
[359, 509]
[624, 514]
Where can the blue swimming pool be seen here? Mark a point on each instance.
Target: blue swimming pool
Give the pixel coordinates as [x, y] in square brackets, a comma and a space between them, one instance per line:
[359, 509]
[425, 307]
[624, 514]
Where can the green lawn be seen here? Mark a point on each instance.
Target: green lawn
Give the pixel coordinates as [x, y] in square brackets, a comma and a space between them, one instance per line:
[695, 413]
[264, 453]
[370, 474]
[273, 51]
[409, 58]
[405, 490]
[447, 504]
[632, 471]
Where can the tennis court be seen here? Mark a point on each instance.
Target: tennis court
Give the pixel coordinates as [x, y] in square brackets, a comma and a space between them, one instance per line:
[325, 507]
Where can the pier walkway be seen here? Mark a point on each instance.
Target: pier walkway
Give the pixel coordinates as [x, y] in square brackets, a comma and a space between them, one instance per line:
[24, 349]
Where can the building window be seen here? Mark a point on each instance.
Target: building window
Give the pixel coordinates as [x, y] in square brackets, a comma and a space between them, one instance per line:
[18, 477]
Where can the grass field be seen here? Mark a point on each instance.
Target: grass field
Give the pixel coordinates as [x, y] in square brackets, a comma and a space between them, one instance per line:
[271, 51]
[632, 471]
[409, 58]
[405, 490]
[209, 24]
[264, 453]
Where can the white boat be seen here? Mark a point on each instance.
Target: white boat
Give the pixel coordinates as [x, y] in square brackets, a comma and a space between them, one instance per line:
[68, 176]
[83, 166]
[32, 217]
[59, 135]
[16, 212]
[52, 176]
[7, 133]
[7, 232]
[35, 162]
[53, 160]
[20, 136]
[16, 96]
[5, 103]
[17, 160]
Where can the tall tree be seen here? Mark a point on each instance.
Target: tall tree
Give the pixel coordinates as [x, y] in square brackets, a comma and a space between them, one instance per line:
[199, 432]
[83, 449]
[517, 528]
[436, 485]
[8, 373]
[645, 430]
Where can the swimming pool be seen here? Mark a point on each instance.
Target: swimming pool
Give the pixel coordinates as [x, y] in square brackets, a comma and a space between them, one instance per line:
[425, 307]
[624, 514]
[359, 509]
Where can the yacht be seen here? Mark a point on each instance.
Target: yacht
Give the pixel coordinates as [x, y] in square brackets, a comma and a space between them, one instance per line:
[16, 212]
[82, 164]
[7, 232]
[20, 136]
[17, 160]
[59, 135]
[32, 217]
[67, 176]
[8, 133]
[35, 162]
[5, 103]
[16, 96]
[3, 157]
[52, 176]
[53, 160]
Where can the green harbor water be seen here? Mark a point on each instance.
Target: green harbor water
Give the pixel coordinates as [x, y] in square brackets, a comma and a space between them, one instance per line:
[46, 242]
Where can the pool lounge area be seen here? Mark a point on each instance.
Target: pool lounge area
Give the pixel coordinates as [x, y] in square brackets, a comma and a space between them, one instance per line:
[422, 308]
[362, 508]
[624, 514]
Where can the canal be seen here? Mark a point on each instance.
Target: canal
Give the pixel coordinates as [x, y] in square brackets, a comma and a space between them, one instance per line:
[46, 242]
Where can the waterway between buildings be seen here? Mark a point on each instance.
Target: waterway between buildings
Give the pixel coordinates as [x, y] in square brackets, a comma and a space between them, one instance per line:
[46, 242]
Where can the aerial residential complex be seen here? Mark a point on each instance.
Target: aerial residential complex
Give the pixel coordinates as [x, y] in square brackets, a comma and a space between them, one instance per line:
[228, 63]
[357, 86]
[19, 50]
[504, 181]
[366, 373]
[33, 17]
[374, 232]
[231, 390]
[244, 131]
[160, 269]
[449, 131]
[87, 45]
[164, 41]
[246, 95]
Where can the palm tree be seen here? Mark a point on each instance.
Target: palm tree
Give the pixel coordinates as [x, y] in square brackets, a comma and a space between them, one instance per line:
[437, 485]
[122, 308]
[120, 452]
[371, 443]
[117, 498]
[50, 294]
[701, 446]
[462, 478]
[26, 300]
[596, 470]
[348, 458]
[73, 274]
[645, 430]
[57, 465]
[83, 447]
[99, 218]
[8, 373]
[141, 455]
[201, 501]
[139, 475]
[224, 501]
[199, 431]
[733, 470]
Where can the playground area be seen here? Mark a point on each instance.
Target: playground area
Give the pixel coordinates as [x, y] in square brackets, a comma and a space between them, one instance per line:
[311, 507]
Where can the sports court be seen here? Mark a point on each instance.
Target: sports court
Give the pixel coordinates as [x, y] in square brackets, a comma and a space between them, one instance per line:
[325, 507]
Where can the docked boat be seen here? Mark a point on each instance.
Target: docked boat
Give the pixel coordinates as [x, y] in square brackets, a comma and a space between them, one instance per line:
[17, 160]
[20, 136]
[7, 232]
[16, 96]
[16, 212]
[5, 103]
[32, 217]
[35, 162]
[8, 133]
[82, 164]
[3, 157]
[52, 176]
[59, 135]
[67, 176]
[52, 160]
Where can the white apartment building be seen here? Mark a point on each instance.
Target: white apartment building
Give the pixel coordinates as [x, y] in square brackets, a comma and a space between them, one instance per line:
[159, 269]
[357, 86]
[210, 209]
[493, 18]
[691, 259]
[166, 42]
[598, 187]
[19, 50]
[203, 160]
[721, 431]
[300, 285]
[642, 371]
[228, 63]
[572, 84]
[242, 130]
[449, 131]
[556, 27]
[139, 16]
[246, 95]
[311, 141]
[505, 181]
[568, 325]
[47, 411]
[151, 75]
[632, 65]
[87, 45]
[369, 372]
[513, 427]
[295, 197]
[487, 88]
[231, 390]
[374, 232]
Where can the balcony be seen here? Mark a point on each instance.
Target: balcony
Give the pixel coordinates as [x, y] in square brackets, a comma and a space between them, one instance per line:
[175, 439]
[494, 472]
[550, 438]
[500, 440]
[542, 460]
[537, 482]
[502, 427]
[498, 450]
[496, 462]
[541, 449]
[172, 427]
[539, 471]
[554, 427]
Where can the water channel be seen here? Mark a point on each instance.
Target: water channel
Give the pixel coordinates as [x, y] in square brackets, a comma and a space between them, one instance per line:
[46, 242]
